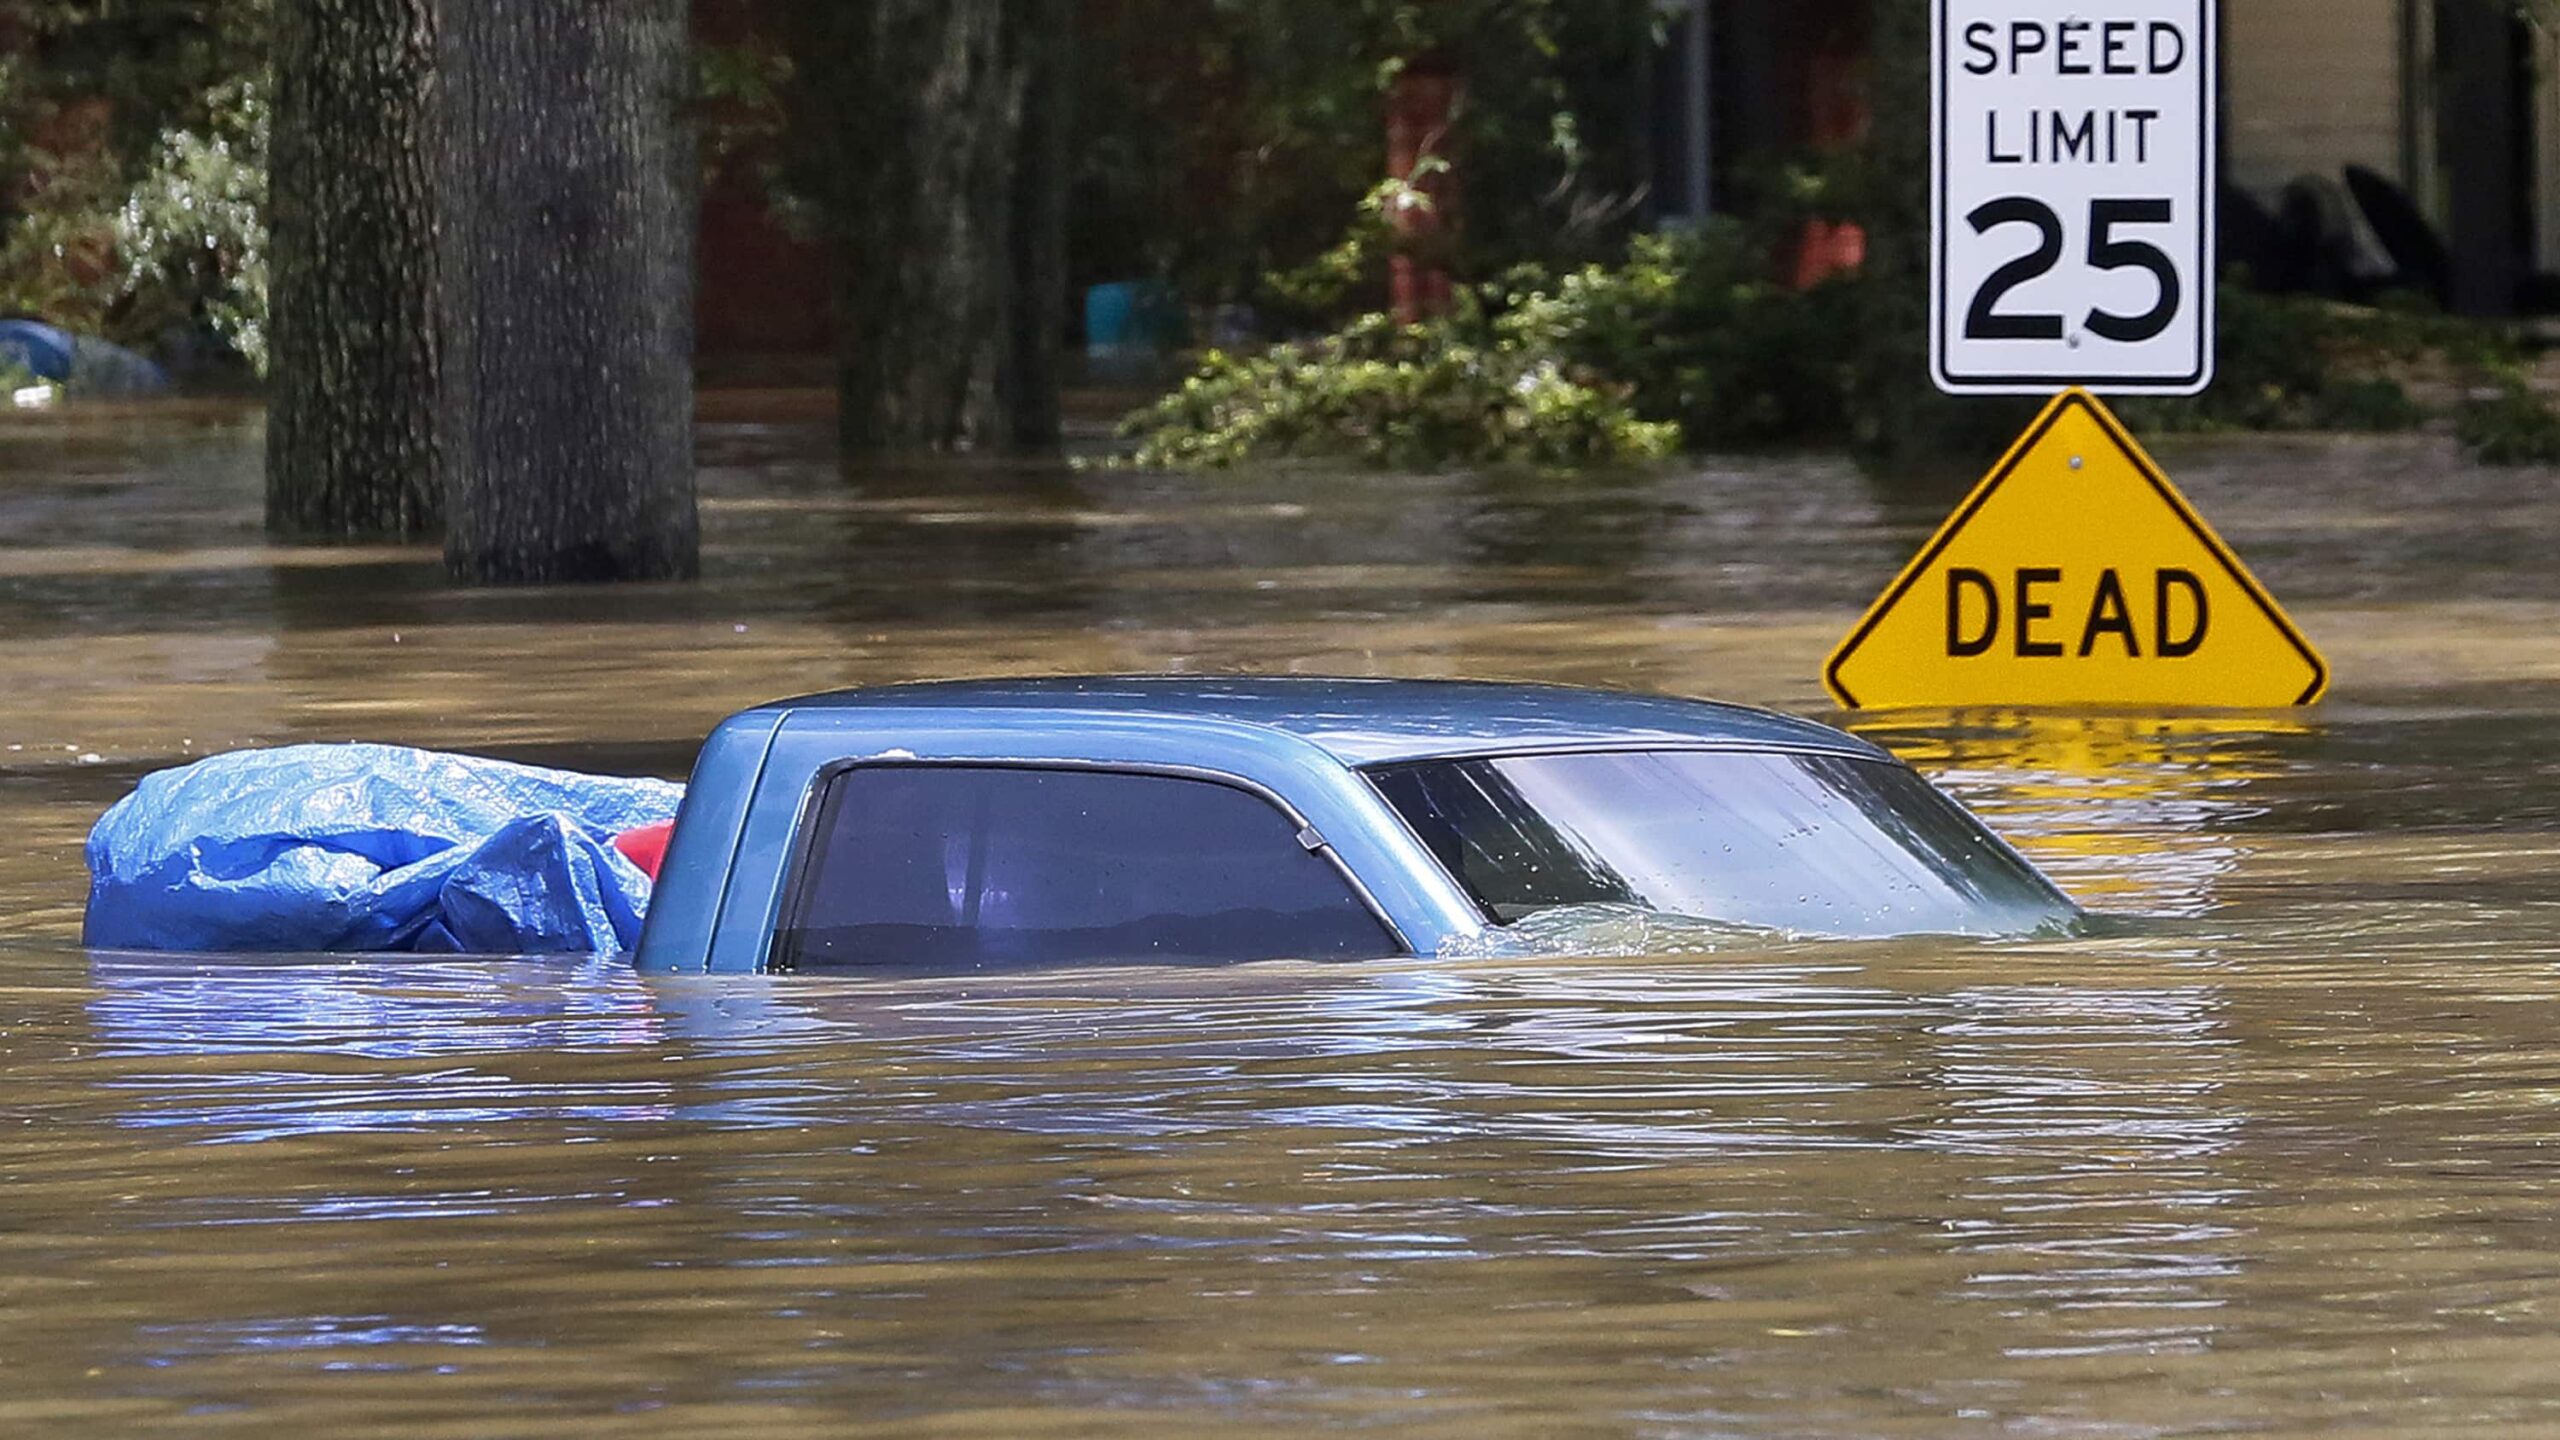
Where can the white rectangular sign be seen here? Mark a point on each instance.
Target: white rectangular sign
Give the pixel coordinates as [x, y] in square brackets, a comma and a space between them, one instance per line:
[2074, 228]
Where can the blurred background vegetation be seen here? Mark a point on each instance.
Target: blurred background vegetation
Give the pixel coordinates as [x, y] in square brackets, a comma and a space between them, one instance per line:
[133, 142]
[1231, 152]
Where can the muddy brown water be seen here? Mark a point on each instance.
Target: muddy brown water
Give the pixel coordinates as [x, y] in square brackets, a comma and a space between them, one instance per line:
[2279, 1158]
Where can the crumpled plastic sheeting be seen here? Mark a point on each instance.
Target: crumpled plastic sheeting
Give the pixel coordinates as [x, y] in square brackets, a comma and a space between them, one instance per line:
[367, 848]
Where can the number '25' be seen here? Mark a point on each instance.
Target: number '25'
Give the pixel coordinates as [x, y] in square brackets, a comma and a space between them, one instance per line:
[1986, 321]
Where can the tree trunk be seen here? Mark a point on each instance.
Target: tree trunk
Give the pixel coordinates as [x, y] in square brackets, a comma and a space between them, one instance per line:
[1035, 357]
[2483, 140]
[567, 251]
[351, 441]
[938, 158]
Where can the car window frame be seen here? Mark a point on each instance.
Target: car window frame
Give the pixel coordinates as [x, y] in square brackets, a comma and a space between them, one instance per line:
[1369, 777]
[807, 842]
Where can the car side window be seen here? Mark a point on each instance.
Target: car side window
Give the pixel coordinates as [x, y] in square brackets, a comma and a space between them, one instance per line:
[971, 867]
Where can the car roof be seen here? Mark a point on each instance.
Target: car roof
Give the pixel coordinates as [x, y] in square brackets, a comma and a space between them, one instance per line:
[1359, 722]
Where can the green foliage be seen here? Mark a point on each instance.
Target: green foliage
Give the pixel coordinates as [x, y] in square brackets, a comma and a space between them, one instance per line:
[1696, 327]
[1691, 341]
[2510, 424]
[1330, 279]
[56, 252]
[158, 66]
[742, 115]
[743, 87]
[1221, 141]
[2290, 362]
[192, 233]
[1465, 390]
[133, 142]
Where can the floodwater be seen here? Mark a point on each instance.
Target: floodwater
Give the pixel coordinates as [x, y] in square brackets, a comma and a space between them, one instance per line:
[2281, 1158]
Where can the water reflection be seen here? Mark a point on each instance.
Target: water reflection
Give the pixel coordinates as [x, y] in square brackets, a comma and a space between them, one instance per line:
[309, 1332]
[1534, 536]
[2063, 1146]
[394, 1008]
[1786, 1035]
[2136, 813]
[415, 1020]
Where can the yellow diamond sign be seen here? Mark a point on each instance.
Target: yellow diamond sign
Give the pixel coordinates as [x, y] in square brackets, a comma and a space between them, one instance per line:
[2076, 574]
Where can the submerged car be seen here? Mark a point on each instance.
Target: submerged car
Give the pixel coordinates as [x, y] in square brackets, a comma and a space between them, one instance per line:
[999, 824]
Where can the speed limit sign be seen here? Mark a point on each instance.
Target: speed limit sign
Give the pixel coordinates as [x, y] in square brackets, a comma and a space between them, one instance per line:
[2074, 228]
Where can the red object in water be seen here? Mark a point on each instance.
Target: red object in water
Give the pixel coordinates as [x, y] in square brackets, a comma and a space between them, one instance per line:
[646, 847]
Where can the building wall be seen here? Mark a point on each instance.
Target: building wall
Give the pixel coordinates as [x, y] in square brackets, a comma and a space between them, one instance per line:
[2314, 86]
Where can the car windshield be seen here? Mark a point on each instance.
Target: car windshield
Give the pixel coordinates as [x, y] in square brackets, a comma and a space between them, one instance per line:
[1808, 844]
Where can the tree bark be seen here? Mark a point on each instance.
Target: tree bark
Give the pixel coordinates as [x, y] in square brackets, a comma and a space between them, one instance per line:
[351, 435]
[938, 159]
[1035, 358]
[567, 252]
[2481, 72]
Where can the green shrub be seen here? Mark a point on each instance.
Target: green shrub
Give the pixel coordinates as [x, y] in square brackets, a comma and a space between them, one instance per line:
[150, 217]
[1701, 334]
[1692, 342]
[192, 234]
[1688, 343]
[2290, 362]
[2510, 424]
[1458, 391]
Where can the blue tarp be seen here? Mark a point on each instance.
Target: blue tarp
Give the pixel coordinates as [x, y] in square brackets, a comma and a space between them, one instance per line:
[36, 348]
[359, 848]
[84, 365]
